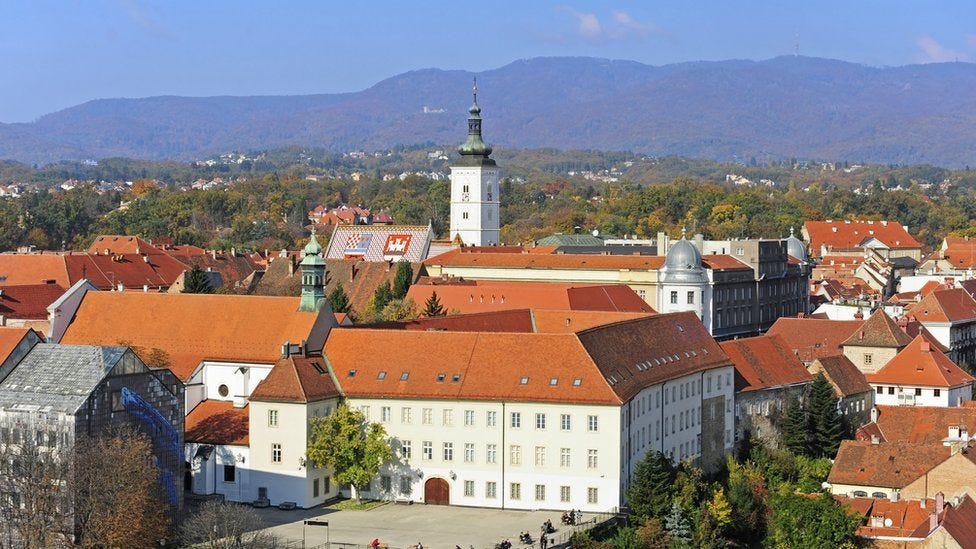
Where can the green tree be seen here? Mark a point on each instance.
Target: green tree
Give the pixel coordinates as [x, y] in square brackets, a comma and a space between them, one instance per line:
[650, 491]
[339, 300]
[796, 429]
[747, 499]
[826, 425]
[402, 279]
[814, 522]
[382, 296]
[678, 525]
[195, 281]
[353, 448]
[433, 307]
[399, 309]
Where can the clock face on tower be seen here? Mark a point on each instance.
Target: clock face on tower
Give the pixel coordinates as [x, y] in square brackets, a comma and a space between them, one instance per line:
[465, 196]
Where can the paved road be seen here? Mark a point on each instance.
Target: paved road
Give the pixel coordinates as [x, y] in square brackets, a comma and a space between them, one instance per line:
[401, 526]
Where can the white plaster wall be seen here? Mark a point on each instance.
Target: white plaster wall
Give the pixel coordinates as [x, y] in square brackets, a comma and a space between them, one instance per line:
[947, 397]
[208, 475]
[481, 226]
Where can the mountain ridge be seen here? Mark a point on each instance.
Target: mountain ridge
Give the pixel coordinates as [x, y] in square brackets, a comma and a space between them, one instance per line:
[782, 107]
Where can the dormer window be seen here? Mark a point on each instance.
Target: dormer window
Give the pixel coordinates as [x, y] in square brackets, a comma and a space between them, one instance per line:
[352, 373]
[382, 375]
[455, 378]
[441, 377]
[524, 380]
[577, 381]
[404, 376]
[553, 381]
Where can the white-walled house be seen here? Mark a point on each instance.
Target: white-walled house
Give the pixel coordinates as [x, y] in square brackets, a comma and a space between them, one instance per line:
[950, 316]
[920, 375]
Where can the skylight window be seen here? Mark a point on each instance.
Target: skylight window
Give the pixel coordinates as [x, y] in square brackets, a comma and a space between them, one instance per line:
[382, 375]
[455, 378]
[524, 380]
[553, 381]
[577, 381]
[441, 377]
[352, 373]
[404, 376]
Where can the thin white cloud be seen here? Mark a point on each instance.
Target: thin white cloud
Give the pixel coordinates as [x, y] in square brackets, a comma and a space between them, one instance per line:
[931, 51]
[620, 26]
[142, 16]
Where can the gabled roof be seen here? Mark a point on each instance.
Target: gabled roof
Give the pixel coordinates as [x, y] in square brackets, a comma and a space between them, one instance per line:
[886, 518]
[121, 244]
[921, 424]
[848, 235]
[479, 296]
[296, 379]
[528, 260]
[10, 338]
[29, 301]
[33, 268]
[218, 422]
[811, 338]
[921, 364]
[886, 465]
[764, 362]
[843, 375]
[949, 305]
[879, 331]
[380, 242]
[960, 523]
[190, 328]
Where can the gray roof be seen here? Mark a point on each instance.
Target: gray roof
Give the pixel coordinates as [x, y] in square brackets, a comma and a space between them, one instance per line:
[57, 378]
[683, 264]
[570, 240]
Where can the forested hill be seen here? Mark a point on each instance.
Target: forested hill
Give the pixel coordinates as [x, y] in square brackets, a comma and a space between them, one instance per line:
[729, 110]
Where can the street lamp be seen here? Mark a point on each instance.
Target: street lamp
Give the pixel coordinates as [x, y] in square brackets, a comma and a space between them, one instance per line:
[325, 523]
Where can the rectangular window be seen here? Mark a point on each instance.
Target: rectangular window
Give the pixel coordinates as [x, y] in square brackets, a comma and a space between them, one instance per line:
[540, 421]
[591, 458]
[880, 390]
[406, 415]
[691, 298]
[564, 422]
[272, 418]
[491, 419]
[491, 490]
[326, 485]
[428, 416]
[468, 452]
[674, 298]
[117, 405]
[491, 453]
[405, 484]
[564, 457]
[448, 418]
[469, 418]
[515, 491]
[540, 456]
[469, 488]
[365, 411]
[315, 488]
[564, 494]
[540, 492]
[230, 473]
[515, 455]
[448, 451]
[918, 391]
[592, 496]
[891, 390]
[592, 423]
[936, 392]
[428, 450]
[867, 359]
[276, 453]
[405, 449]
[516, 420]
[385, 414]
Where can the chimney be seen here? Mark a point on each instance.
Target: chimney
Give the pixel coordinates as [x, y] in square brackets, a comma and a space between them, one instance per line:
[859, 315]
[874, 414]
[875, 439]
[145, 258]
[285, 349]
[121, 287]
[145, 288]
[933, 522]
[939, 503]
[291, 266]
[213, 254]
[662, 243]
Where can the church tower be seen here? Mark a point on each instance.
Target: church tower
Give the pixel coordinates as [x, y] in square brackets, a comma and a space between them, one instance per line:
[313, 276]
[474, 188]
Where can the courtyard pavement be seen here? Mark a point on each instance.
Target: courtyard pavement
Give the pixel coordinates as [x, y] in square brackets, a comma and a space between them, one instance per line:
[403, 526]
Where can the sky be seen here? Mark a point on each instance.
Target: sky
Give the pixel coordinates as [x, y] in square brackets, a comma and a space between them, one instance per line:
[56, 54]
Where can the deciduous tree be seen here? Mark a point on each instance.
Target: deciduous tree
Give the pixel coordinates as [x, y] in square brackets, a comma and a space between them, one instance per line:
[352, 447]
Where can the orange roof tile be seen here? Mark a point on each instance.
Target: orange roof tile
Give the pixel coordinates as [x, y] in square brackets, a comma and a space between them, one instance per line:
[10, 338]
[455, 258]
[296, 379]
[960, 522]
[515, 320]
[921, 364]
[764, 362]
[718, 262]
[28, 301]
[33, 269]
[848, 235]
[120, 244]
[949, 305]
[555, 322]
[887, 465]
[190, 328]
[479, 296]
[218, 422]
[811, 338]
[885, 518]
[879, 330]
[922, 424]
[843, 375]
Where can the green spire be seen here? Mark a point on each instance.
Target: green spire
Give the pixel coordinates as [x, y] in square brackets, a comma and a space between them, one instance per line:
[313, 276]
[475, 151]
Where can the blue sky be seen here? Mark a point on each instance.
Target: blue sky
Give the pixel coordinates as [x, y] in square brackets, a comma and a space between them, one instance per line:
[55, 54]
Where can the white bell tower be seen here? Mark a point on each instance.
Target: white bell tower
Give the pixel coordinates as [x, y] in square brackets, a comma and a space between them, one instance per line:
[474, 188]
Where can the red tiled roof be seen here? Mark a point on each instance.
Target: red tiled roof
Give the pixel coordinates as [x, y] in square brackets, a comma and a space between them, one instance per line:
[218, 422]
[133, 271]
[921, 364]
[960, 523]
[887, 465]
[29, 301]
[456, 258]
[887, 518]
[10, 338]
[950, 305]
[549, 321]
[119, 244]
[879, 331]
[960, 253]
[296, 379]
[718, 262]
[811, 338]
[848, 235]
[843, 375]
[921, 424]
[764, 362]
[930, 287]
[34, 268]
[479, 296]
[190, 328]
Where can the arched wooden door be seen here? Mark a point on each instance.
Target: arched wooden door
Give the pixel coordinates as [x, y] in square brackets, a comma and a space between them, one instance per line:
[437, 492]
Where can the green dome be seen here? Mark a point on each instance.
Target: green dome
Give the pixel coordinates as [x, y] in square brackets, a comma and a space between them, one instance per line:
[313, 247]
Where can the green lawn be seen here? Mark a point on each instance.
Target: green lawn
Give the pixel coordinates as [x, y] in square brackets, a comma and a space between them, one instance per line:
[351, 505]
